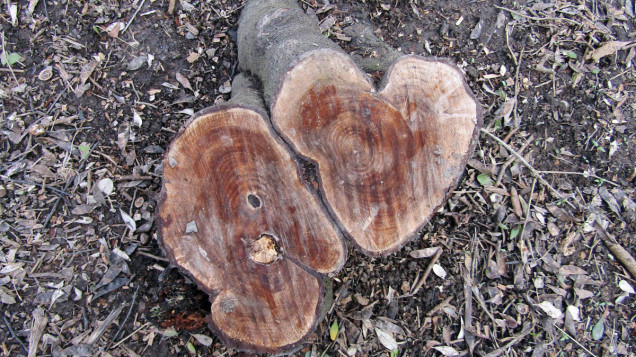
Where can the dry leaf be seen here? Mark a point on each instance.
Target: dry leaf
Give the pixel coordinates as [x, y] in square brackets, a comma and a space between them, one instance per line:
[193, 57]
[130, 223]
[183, 81]
[87, 70]
[106, 186]
[626, 287]
[571, 270]
[439, 271]
[137, 119]
[550, 310]
[424, 253]
[446, 351]
[203, 339]
[606, 49]
[386, 339]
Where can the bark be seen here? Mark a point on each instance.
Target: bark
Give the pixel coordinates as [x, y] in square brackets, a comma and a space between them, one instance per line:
[236, 218]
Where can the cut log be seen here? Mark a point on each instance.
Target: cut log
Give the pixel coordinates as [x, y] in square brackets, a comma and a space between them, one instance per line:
[240, 214]
[386, 160]
[236, 218]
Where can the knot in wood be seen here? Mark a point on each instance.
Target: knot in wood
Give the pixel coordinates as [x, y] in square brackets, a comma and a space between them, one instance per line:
[264, 250]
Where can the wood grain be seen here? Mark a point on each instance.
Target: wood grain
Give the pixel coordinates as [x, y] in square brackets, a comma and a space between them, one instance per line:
[237, 219]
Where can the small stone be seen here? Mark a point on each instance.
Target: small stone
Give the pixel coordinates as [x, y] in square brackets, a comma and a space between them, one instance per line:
[189, 36]
[172, 162]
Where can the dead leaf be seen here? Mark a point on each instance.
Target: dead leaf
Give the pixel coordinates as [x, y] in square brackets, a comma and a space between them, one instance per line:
[87, 70]
[193, 57]
[550, 310]
[424, 253]
[183, 81]
[130, 223]
[606, 49]
[446, 351]
[571, 270]
[123, 135]
[136, 63]
[386, 339]
[439, 271]
[583, 294]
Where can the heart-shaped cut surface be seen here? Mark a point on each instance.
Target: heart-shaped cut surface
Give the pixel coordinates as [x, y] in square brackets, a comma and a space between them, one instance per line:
[386, 161]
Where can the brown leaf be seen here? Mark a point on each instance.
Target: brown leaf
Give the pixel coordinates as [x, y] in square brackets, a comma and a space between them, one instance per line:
[184, 81]
[87, 70]
[424, 253]
[606, 49]
[571, 270]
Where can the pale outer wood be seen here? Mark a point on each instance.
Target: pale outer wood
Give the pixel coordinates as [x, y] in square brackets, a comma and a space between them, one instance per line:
[221, 157]
[440, 115]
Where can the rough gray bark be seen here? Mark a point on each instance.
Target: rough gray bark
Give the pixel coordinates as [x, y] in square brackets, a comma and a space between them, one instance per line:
[272, 35]
[371, 53]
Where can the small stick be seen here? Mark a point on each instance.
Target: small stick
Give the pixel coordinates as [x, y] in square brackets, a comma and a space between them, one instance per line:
[580, 174]
[121, 325]
[133, 16]
[23, 182]
[66, 186]
[619, 252]
[427, 271]
[575, 341]
[131, 334]
[509, 162]
[171, 6]
[525, 163]
[15, 337]
[439, 306]
[8, 64]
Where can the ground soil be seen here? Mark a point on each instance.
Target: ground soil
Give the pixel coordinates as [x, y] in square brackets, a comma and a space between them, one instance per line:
[101, 87]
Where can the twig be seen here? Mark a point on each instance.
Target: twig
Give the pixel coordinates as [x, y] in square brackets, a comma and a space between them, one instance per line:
[575, 341]
[439, 306]
[15, 337]
[580, 174]
[131, 334]
[66, 186]
[8, 63]
[502, 171]
[23, 182]
[617, 250]
[133, 16]
[171, 6]
[103, 326]
[527, 327]
[427, 271]
[525, 163]
[534, 18]
[121, 325]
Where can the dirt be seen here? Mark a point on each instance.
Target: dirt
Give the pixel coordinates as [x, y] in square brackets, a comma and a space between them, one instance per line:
[520, 257]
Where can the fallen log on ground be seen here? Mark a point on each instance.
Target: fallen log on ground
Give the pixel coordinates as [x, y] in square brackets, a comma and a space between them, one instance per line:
[241, 216]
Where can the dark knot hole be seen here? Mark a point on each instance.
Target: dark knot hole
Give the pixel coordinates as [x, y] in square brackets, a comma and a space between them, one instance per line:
[254, 200]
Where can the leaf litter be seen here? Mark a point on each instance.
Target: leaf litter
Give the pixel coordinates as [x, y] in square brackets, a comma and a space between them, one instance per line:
[535, 252]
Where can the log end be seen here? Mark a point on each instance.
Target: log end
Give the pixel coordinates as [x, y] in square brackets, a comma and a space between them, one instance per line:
[235, 217]
[387, 160]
